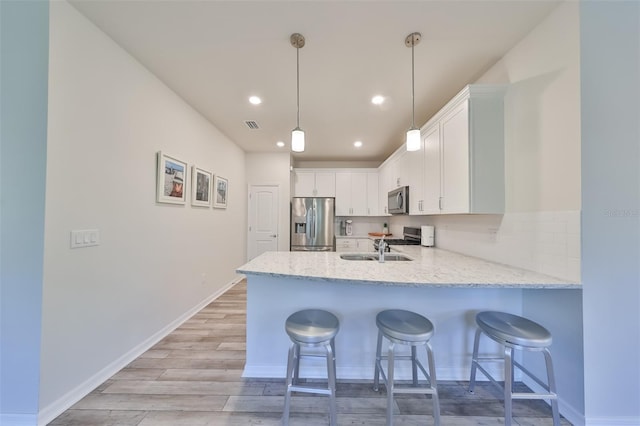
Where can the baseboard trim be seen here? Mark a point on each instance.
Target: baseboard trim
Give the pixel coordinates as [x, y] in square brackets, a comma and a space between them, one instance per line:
[357, 372]
[53, 410]
[613, 421]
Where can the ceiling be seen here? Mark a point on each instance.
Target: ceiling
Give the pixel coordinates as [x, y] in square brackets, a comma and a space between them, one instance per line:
[215, 54]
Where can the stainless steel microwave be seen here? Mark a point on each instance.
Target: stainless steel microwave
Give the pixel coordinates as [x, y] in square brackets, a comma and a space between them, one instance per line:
[398, 201]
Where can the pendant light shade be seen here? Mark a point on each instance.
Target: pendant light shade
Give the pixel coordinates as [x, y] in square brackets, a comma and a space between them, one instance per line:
[413, 139]
[413, 134]
[297, 140]
[297, 134]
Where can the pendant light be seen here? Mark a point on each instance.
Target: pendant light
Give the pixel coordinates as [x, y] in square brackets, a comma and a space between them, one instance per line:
[413, 134]
[297, 134]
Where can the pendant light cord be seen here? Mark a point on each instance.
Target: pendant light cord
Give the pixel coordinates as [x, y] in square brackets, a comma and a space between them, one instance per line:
[413, 100]
[298, 84]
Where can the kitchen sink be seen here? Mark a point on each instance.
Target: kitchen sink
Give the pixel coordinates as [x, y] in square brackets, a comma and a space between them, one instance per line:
[388, 257]
[359, 256]
[392, 257]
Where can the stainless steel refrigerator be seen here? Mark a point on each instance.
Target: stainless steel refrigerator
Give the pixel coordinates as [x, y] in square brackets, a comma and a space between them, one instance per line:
[312, 224]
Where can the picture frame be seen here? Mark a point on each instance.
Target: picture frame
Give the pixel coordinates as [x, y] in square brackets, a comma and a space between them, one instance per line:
[201, 183]
[171, 179]
[220, 192]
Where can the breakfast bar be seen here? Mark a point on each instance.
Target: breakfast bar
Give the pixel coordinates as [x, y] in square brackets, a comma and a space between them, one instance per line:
[447, 287]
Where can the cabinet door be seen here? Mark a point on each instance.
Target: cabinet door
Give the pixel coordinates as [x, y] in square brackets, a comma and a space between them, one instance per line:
[325, 184]
[384, 180]
[359, 194]
[346, 244]
[372, 194]
[401, 170]
[343, 193]
[455, 160]
[304, 184]
[431, 143]
[415, 171]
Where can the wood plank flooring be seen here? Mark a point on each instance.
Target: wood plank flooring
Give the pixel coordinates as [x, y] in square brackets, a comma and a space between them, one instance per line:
[193, 378]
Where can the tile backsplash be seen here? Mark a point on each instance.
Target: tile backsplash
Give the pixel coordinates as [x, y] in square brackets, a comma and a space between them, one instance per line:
[546, 242]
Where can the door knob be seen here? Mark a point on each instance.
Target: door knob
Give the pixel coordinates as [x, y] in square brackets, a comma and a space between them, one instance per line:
[274, 235]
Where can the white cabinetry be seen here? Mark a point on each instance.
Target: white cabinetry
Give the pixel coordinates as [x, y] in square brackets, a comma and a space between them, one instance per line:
[314, 183]
[431, 187]
[415, 170]
[373, 204]
[393, 173]
[354, 244]
[352, 193]
[463, 155]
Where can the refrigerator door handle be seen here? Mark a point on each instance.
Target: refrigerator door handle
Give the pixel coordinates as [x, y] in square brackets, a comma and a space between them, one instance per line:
[308, 224]
[314, 222]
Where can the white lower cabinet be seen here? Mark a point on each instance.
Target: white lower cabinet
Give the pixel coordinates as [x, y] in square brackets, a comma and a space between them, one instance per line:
[354, 244]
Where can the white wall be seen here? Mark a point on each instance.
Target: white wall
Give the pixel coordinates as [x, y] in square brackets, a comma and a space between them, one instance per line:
[156, 263]
[273, 169]
[610, 59]
[24, 51]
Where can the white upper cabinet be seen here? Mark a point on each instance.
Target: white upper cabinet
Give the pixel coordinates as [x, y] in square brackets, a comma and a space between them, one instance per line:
[463, 155]
[415, 171]
[352, 193]
[314, 183]
[431, 187]
[373, 204]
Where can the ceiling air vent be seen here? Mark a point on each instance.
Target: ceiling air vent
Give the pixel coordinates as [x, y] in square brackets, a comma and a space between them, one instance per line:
[251, 124]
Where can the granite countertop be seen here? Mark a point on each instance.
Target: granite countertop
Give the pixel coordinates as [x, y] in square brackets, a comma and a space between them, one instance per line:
[430, 267]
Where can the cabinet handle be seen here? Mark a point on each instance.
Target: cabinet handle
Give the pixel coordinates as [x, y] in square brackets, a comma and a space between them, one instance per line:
[440, 203]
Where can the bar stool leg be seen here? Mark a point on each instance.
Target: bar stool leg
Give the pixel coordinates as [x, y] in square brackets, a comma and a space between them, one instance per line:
[434, 384]
[296, 370]
[552, 387]
[474, 361]
[376, 374]
[414, 365]
[331, 379]
[291, 365]
[390, 386]
[508, 384]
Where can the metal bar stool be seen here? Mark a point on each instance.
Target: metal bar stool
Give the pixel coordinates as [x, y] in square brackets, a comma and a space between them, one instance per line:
[311, 328]
[405, 328]
[514, 332]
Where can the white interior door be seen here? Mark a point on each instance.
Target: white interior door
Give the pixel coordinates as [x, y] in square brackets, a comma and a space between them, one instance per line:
[263, 219]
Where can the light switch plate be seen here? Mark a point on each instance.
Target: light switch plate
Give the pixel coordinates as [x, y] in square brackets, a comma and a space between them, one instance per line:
[85, 238]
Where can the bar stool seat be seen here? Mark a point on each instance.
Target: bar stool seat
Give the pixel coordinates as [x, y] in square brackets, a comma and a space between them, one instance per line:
[514, 332]
[311, 328]
[406, 328]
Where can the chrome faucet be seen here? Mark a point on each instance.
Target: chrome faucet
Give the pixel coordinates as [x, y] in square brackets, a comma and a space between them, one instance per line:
[381, 248]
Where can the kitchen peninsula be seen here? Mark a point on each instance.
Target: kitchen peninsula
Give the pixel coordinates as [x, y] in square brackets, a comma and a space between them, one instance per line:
[446, 287]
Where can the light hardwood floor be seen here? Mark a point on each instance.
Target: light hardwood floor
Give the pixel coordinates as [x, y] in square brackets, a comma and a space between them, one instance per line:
[193, 377]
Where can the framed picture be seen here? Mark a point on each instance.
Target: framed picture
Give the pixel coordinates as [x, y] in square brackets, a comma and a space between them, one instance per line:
[220, 192]
[201, 181]
[171, 179]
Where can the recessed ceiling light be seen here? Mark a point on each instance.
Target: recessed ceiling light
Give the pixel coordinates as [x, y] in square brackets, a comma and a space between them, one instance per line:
[357, 144]
[280, 144]
[377, 100]
[255, 100]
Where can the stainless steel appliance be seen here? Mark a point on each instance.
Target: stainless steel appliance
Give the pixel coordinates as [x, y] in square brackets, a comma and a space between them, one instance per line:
[412, 236]
[312, 224]
[398, 200]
